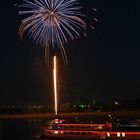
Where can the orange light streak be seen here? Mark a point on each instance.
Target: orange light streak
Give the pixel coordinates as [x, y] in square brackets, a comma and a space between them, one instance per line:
[55, 85]
[111, 134]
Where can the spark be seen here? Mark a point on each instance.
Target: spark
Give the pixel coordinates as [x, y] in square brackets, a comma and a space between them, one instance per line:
[15, 4]
[95, 19]
[55, 85]
[52, 22]
[94, 9]
[92, 28]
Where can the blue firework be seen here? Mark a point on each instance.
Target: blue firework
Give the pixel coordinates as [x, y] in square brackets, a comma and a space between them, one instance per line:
[52, 22]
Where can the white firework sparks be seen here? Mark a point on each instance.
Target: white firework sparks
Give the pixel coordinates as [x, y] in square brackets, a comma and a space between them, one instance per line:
[52, 22]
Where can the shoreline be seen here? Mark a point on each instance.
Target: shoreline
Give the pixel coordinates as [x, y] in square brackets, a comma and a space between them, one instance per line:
[122, 114]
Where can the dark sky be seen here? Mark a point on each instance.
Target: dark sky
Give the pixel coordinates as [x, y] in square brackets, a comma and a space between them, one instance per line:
[105, 66]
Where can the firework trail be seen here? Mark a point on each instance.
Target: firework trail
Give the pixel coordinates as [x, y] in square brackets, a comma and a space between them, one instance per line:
[52, 22]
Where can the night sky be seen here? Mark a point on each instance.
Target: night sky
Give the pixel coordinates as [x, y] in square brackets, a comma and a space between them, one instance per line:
[104, 66]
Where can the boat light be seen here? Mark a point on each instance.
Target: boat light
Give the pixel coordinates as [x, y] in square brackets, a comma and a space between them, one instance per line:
[118, 134]
[123, 134]
[108, 134]
[55, 132]
[99, 127]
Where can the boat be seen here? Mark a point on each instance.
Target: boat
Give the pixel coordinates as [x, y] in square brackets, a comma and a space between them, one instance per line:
[61, 129]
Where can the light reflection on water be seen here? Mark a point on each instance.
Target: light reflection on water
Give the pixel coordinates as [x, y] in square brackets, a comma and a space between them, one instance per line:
[21, 129]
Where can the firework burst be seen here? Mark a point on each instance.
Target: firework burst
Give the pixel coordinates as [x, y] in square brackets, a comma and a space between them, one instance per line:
[52, 22]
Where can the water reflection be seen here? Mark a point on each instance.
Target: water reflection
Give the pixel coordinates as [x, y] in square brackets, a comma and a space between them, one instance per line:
[19, 129]
[25, 129]
[0, 130]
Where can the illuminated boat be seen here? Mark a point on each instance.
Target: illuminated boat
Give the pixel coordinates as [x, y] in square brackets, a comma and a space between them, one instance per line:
[59, 129]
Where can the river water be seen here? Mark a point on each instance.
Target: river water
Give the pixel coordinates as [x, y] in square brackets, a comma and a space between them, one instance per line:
[21, 129]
